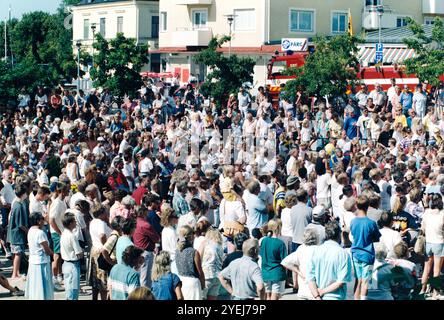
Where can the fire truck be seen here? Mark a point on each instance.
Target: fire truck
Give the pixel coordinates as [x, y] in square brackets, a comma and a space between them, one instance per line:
[366, 75]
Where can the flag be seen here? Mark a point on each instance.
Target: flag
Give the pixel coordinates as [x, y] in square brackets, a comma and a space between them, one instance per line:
[350, 23]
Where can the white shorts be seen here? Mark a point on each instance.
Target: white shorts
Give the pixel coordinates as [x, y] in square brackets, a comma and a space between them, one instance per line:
[275, 287]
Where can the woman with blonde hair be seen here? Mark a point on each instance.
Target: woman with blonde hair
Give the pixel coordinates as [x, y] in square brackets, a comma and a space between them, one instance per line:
[141, 293]
[168, 221]
[165, 284]
[212, 253]
[189, 265]
[403, 222]
[272, 251]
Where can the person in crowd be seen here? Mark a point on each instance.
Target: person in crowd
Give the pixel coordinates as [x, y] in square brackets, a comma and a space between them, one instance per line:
[272, 251]
[124, 277]
[433, 228]
[244, 274]
[330, 267]
[100, 232]
[18, 227]
[364, 231]
[71, 253]
[189, 265]
[165, 284]
[298, 262]
[146, 238]
[128, 227]
[39, 285]
[380, 285]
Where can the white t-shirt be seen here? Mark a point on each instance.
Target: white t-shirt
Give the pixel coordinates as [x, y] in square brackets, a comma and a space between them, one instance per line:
[98, 227]
[37, 254]
[76, 197]
[169, 241]
[432, 223]
[69, 246]
[322, 186]
[36, 206]
[146, 165]
[301, 259]
[389, 238]
[231, 211]
[287, 225]
[57, 210]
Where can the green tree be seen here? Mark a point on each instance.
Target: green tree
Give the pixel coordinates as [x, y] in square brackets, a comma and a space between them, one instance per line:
[43, 38]
[118, 63]
[428, 63]
[328, 71]
[227, 73]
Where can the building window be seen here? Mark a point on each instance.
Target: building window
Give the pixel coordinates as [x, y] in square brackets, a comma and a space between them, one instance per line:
[119, 24]
[244, 20]
[86, 29]
[401, 22]
[301, 20]
[102, 27]
[155, 27]
[200, 18]
[429, 20]
[339, 22]
[372, 2]
[163, 21]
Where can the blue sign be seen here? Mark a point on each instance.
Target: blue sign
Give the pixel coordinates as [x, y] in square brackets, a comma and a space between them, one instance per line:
[379, 57]
[379, 47]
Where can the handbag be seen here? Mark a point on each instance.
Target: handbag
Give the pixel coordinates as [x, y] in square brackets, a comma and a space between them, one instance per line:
[102, 263]
[419, 247]
[232, 228]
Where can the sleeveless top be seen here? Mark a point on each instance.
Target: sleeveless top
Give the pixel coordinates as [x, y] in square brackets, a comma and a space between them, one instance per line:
[185, 263]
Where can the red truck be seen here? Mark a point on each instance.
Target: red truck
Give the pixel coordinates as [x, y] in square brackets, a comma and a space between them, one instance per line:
[367, 75]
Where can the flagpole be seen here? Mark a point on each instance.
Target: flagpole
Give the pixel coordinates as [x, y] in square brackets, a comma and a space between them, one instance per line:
[12, 56]
[6, 43]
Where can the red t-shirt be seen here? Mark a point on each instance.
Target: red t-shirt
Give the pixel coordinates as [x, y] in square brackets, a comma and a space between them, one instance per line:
[145, 236]
[139, 193]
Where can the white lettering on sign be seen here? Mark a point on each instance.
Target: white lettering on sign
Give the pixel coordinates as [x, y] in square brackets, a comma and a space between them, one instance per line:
[294, 44]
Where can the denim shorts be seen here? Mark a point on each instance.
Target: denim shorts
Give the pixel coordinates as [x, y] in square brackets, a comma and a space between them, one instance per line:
[434, 249]
[212, 287]
[363, 270]
[17, 248]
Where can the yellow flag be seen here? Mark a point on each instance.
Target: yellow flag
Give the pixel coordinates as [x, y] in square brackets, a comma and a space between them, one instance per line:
[350, 23]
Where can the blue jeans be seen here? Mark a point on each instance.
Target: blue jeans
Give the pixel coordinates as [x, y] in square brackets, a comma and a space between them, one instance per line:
[145, 269]
[71, 275]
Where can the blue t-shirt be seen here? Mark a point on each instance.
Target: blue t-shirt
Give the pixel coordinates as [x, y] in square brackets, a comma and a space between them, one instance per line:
[350, 127]
[123, 243]
[163, 288]
[364, 231]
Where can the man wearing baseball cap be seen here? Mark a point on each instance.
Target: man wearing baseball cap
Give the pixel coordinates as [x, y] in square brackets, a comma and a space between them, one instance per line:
[318, 219]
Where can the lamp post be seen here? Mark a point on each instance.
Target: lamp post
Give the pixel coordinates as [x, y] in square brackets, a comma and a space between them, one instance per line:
[78, 45]
[380, 10]
[230, 20]
[93, 28]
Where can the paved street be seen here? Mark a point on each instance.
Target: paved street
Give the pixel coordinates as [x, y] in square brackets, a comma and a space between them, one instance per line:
[6, 266]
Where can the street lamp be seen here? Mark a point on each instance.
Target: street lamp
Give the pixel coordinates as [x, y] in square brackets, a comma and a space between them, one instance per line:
[380, 10]
[93, 28]
[230, 20]
[78, 45]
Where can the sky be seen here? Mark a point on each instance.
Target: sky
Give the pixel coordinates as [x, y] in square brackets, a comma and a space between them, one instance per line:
[19, 7]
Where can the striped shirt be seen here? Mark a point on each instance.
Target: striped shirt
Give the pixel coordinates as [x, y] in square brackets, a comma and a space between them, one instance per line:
[123, 280]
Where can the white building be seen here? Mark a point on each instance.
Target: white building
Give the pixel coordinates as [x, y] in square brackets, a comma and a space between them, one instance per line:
[138, 19]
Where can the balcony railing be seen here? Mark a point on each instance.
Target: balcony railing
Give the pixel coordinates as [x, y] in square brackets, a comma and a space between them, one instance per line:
[194, 36]
[193, 2]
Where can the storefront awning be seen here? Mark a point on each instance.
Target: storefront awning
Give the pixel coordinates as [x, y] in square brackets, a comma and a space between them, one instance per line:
[392, 55]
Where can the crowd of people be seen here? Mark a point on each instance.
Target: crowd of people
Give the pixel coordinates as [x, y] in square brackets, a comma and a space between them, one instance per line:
[172, 196]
